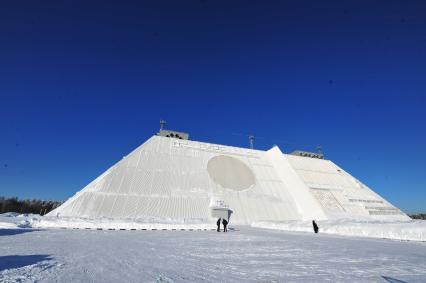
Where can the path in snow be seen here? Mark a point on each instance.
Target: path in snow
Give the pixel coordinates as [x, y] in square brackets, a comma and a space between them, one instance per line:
[245, 255]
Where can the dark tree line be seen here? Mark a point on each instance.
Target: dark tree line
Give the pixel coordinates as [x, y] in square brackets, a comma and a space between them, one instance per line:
[34, 206]
[418, 216]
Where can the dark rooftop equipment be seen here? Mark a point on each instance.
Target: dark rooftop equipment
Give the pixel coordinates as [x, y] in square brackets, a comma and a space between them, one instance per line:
[171, 134]
[308, 154]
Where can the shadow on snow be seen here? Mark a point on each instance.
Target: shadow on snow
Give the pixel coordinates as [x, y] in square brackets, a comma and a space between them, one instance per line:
[392, 280]
[11, 232]
[17, 261]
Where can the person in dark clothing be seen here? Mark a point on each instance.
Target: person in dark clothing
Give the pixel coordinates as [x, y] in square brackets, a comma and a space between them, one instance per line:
[218, 225]
[225, 223]
[316, 228]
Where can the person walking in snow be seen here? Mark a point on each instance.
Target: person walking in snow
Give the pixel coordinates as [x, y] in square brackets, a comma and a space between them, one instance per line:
[316, 228]
[218, 224]
[225, 223]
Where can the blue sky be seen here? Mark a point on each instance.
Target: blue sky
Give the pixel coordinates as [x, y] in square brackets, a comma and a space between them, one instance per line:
[82, 84]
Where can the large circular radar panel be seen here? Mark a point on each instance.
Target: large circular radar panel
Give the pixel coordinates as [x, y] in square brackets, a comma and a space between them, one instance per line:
[230, 173]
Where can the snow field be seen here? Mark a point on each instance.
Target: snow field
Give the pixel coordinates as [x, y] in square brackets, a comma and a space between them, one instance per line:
[243, 255]
[414, 230]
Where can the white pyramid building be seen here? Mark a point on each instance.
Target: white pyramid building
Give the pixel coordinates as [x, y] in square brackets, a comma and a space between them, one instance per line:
[174, 178]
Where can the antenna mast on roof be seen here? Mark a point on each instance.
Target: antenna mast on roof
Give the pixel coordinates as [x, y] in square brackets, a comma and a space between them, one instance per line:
[251, 141]
[162, 124]
[319, 149]
[250, 137]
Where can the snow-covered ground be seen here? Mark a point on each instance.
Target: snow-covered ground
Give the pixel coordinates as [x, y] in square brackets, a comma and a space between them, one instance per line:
[127, 224]
[245, 254]
[14, 220]
[414, 230]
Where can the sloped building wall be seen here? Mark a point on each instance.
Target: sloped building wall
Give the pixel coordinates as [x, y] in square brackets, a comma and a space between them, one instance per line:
[340, 194]
[169, 178]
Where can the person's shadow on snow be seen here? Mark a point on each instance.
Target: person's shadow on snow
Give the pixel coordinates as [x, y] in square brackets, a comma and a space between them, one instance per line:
[392, 280]
[17, 261]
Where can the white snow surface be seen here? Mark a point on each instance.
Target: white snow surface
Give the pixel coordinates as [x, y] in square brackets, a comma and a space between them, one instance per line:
[414, 230]
[245, 254]
[127, 224]
[12, 220]
[7, 225]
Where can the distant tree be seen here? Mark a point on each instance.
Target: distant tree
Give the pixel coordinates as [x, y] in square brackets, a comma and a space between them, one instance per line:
[421, 216]
[34, 206]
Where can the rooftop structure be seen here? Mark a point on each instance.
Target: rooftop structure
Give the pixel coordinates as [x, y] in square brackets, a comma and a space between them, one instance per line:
[308, 154]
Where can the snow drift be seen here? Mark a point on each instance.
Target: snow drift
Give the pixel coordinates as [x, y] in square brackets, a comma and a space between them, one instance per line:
[414, 230]
[123, 224]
